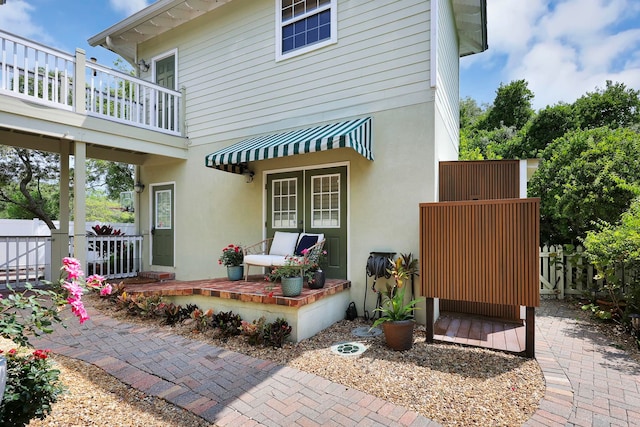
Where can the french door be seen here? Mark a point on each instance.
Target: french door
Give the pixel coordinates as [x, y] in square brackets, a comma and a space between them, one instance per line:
[312, 201]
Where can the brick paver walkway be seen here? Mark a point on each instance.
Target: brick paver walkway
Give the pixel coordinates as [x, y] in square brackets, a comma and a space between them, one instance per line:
[221, 386]
[589, 382]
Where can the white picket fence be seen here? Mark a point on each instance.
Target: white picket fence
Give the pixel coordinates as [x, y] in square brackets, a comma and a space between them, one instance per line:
[565, 273]
[28, 258]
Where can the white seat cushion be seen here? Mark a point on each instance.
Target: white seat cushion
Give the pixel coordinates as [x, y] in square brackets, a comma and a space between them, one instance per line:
[265, 260]
[283, 243]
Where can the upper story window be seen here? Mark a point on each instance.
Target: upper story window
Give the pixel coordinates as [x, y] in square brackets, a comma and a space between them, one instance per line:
[304, 25]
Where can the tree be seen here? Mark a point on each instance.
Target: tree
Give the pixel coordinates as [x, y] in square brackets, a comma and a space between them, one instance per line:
[550, 123]
[615, 106]
[116, 177]
[23, 176]
[469, 112]
[586, 176]
[511, 107]
[100, 208]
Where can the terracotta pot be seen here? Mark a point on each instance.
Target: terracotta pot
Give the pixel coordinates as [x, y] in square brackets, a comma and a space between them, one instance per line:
[399, 334]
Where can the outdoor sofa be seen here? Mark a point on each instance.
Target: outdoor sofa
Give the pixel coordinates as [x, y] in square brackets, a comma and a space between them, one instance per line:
[273, 252]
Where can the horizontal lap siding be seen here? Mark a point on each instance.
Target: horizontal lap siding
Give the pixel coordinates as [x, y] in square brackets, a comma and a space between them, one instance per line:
[481, 251]
[236, 89]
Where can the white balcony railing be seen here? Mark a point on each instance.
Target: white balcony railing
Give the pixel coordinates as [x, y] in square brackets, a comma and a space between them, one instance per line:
[37, 73]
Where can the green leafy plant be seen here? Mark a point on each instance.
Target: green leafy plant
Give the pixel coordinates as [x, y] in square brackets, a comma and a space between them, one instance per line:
[254, 331]
[294, 266]
[232, 256]
[203, 319]
[228, 323]
[394, 307]
[597, 312]
[32, 387]
[274, 334]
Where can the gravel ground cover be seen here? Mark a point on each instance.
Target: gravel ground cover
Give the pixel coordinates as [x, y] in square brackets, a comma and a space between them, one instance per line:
[453, 385]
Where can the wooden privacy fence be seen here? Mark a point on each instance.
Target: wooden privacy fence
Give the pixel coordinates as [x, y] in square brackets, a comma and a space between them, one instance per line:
[483, 251]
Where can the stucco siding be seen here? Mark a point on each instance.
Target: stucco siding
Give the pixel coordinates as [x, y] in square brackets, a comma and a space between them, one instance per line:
[447, 85]
[235, 88]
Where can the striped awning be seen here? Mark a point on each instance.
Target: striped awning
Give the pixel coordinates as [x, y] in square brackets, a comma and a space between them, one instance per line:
[355, 134]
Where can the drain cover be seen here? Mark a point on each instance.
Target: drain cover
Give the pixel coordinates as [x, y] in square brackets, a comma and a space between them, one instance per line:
[348, 348]
[364, 332]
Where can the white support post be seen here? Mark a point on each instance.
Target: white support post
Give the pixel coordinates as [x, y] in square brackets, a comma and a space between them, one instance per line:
[79, 203]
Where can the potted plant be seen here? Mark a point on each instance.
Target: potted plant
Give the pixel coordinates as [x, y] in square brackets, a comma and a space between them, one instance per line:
[396, 316]
[291, 275]
[232, 258]
[316, 277]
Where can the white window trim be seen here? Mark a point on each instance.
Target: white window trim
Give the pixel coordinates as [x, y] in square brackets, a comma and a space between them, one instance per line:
[333, 39]
[155, 59]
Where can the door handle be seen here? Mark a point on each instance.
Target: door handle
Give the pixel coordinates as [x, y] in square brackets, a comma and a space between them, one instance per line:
[153, 230]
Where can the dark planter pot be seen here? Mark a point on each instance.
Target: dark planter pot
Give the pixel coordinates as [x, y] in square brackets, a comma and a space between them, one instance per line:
[318, 280]
[235, 273]
[399, 334]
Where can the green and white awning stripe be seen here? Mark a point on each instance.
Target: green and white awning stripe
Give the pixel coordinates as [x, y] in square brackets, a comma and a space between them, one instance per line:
[355, 134]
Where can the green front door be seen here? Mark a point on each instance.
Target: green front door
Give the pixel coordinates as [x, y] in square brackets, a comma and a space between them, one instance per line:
[313, 201]
[166, 77]
[162, 228]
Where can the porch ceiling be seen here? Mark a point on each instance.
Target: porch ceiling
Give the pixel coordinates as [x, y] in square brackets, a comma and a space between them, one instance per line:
[160, 17]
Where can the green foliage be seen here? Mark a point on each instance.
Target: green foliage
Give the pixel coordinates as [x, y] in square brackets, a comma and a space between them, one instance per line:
[470, 112]
[29, 312]
[549, 124]
[394, 308]
[276, 333]
[481, 144]
[32, 387]
[203, 319]
[616, 248]
[614, 106]
[254, 331]
[597, 312]
[100, 208]
[116, 177]
[511, 107]
[585, 176]
[228, 323]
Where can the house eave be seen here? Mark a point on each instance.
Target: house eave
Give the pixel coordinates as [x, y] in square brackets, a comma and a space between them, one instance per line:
[471, 24]
[158, 18]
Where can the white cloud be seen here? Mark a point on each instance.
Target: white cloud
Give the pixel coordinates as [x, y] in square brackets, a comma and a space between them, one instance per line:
[563, 48]
[128, 7]
[15, 17]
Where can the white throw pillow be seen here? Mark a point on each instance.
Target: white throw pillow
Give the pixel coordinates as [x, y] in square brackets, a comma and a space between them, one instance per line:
[283, 243]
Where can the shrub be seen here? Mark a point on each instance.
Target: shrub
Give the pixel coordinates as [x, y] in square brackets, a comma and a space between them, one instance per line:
[32, 387]
[253, 331]
[275, 333]
[228, 323]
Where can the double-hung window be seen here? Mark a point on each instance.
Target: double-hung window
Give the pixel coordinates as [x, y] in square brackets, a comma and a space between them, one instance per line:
[304, 25]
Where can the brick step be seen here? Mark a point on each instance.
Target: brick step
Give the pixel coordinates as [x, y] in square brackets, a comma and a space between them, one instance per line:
[157, 275]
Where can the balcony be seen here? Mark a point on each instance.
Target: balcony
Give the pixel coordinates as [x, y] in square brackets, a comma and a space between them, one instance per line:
[41, 75]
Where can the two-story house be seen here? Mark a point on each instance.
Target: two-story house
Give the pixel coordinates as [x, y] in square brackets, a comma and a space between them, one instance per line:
[328, 116]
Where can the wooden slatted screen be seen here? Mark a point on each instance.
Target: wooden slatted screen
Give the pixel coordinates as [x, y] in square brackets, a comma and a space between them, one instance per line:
[481, 251]
[479, 180]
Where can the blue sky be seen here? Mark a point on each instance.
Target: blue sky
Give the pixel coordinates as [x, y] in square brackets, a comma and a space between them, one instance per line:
[563, 48]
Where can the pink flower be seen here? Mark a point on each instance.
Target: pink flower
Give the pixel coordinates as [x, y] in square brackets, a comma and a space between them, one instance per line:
[74, 289]
[305, 251]
[77, 308]
[270, 294]
[95, 281]
[106, 290]
[72, 267]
